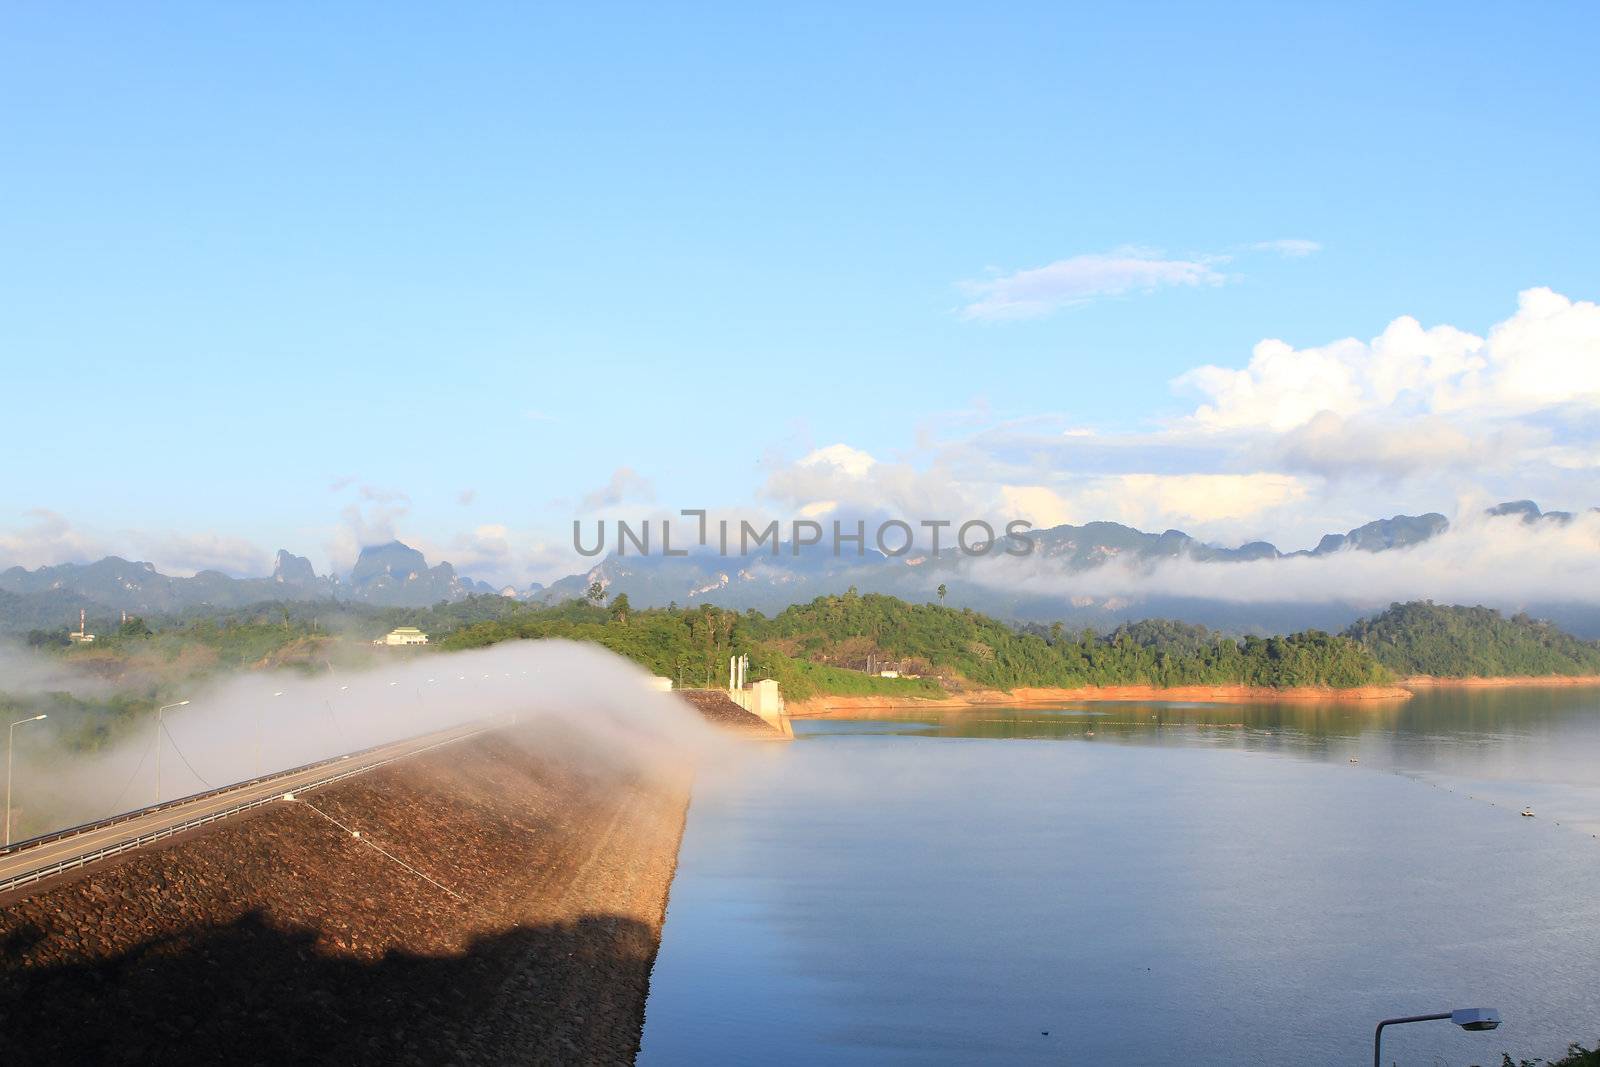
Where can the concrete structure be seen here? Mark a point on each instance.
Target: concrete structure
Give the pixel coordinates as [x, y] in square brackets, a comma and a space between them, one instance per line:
[762, 699]
[403, 635]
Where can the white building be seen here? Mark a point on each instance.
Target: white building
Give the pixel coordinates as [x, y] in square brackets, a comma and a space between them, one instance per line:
[403, 635]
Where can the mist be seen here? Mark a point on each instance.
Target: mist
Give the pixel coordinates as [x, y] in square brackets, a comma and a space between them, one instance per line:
[1495, 561]
[595, 705]
[22, 671]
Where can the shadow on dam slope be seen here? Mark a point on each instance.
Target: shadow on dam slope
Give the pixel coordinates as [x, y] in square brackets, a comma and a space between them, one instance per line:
[252, 992]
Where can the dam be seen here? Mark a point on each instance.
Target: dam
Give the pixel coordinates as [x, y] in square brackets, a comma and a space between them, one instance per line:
[497, 899]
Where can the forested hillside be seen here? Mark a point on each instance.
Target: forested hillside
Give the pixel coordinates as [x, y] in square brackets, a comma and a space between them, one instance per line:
[1458, 642]
[831, 645]
[838, 644]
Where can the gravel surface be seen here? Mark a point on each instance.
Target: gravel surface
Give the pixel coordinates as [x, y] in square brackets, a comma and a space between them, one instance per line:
[512, 916]
[720, 710]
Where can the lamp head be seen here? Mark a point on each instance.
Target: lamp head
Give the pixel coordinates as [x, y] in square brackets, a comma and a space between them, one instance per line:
[1476, 1018]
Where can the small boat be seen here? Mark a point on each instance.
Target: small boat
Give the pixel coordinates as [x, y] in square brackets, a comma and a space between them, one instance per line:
[1527, 813]
[1354, 760]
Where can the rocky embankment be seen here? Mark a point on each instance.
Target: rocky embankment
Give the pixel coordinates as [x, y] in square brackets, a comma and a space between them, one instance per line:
[716, 708]
[502, 904]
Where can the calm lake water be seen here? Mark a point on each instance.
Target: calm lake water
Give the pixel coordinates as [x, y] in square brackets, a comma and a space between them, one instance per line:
[1143, 883]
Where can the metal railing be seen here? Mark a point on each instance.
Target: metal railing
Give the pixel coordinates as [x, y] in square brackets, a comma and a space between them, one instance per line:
[105, 852]
[139, 813]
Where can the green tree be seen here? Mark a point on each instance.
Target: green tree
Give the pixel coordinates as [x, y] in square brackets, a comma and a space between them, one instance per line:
[943, 591]
[133, 626]
[1458, 642]
[596, 594]
[620, 608]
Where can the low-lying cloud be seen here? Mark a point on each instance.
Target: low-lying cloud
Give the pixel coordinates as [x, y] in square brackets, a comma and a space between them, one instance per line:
[242, 726]
[1500, 562]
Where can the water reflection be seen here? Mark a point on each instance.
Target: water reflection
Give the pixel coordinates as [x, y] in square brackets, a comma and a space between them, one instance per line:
[1168, 883]
[1446, 716]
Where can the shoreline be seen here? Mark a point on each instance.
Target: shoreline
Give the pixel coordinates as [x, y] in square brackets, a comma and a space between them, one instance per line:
[838, 705]
[1509, 681]
[826, 705]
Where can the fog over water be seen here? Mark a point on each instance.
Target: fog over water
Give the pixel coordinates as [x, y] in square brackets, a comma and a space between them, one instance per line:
[242, 726]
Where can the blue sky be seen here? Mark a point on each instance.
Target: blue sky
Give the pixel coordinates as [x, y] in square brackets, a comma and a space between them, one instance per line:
[250, 254]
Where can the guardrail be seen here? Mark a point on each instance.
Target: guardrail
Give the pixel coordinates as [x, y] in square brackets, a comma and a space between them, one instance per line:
[139, 813]
[105, 852]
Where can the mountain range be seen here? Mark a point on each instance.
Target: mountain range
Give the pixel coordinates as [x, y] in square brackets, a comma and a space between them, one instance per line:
[387, 575]
[396, 575]
[770, 582]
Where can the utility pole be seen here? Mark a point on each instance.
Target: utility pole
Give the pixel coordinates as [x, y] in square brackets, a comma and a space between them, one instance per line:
[159, 712]
[11, 735]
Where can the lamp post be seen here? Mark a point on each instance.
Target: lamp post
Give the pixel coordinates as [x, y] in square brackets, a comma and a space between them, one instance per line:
[259, 767]
[11, 734]
[1466, 1018]
[159, 712]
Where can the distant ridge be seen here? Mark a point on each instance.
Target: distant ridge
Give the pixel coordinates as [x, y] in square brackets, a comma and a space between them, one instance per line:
[395, 574]
[388, 575]
[770, 583]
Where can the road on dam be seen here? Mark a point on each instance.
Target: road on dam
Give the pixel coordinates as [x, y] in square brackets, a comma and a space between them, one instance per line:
[28, 862]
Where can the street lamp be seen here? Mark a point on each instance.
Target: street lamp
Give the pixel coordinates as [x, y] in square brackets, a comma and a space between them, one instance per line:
[1466, 1018]
[159, 711]
[11, 733]
[259, 766]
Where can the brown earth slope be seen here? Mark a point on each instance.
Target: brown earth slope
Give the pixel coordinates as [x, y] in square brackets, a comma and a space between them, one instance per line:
[717, 708]
[278, 937]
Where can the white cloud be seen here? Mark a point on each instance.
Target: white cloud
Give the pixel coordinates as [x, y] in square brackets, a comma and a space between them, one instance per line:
[46, 539]
[1500, 562]
[1203, 498]
[481, 553]
[372, 519]
[1292, 247]
[850, 461]
[625, 485]
[1334, 446]
[1295, 444]
[183, 555]
[1548, 353]
[1154, 501]
[847, 480]
[1027, 294]
[1040, 505]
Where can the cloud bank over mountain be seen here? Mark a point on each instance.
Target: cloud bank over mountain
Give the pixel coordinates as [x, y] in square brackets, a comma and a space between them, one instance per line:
[1499, 561]
[1284, 445]
[1294, 441]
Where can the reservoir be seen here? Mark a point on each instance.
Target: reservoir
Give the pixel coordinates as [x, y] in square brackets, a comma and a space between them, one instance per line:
[1143, 883]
